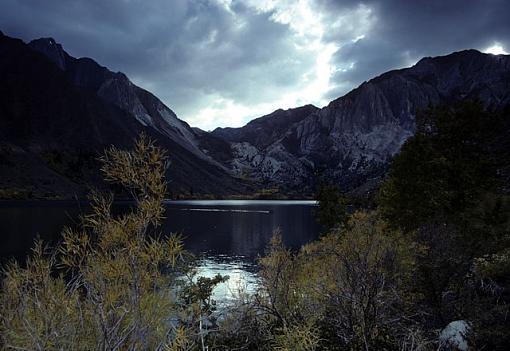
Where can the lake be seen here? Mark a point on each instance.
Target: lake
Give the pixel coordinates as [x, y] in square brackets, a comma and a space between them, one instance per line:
[227, 235]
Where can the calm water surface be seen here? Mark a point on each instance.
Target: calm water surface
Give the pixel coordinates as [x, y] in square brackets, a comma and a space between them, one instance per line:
[227, 235]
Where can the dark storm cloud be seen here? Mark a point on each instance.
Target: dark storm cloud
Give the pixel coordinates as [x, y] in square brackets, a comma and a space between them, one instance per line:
[181, 50]
[405, 31]
[211, 59]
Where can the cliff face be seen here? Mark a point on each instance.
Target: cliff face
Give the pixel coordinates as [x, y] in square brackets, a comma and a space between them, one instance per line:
[117, 89]
[352, 139]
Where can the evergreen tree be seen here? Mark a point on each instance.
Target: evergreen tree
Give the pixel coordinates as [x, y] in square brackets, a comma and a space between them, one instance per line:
[332, 210]
[445, 169]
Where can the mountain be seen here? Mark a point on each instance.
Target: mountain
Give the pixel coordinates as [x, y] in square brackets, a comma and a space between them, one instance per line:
[352, 139]
[120, 91]
[247, 142]
[58, 113]
[261, 132]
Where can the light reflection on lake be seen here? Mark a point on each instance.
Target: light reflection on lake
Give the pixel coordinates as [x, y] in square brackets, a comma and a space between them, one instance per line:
[242, 276]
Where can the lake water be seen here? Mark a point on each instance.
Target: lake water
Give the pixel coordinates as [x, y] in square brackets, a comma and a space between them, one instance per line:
[227, 235]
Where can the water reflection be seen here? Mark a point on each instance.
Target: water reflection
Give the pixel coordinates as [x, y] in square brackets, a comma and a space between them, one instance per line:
[241, 228]
[227, 236]
[242, 276]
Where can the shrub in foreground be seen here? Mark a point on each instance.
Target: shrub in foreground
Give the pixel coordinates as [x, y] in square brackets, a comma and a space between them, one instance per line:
[113, 283]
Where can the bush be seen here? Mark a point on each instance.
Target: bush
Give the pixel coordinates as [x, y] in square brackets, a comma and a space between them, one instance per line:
[347, 291]
[109, 285]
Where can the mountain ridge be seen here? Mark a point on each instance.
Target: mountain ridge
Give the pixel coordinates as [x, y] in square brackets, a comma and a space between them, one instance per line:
[118, 89]
[52, 131]
[350, 141]
[353, 138]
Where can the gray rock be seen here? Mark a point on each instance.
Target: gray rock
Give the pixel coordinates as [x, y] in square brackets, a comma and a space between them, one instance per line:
[455, 336]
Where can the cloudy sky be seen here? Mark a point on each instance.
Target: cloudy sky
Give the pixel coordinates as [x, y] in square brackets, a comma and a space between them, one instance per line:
[224, 62]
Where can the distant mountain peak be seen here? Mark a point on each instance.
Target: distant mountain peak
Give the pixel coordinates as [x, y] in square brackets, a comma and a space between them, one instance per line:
[48, 40]
[52, 49]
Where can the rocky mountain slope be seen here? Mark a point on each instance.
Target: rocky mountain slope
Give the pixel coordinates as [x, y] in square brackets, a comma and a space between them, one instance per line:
[58, 114]
[120, 91]
[263, 131]
[352, 139]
